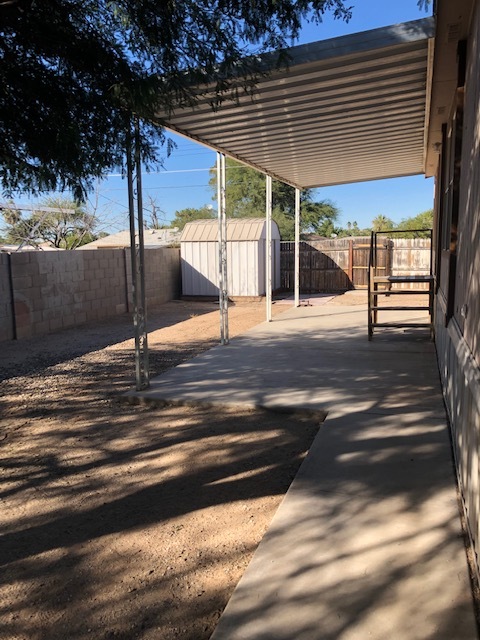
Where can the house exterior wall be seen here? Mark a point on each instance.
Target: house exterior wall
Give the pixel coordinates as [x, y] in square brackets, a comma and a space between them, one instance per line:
[457, 317]
[55, 290]
[467, 286]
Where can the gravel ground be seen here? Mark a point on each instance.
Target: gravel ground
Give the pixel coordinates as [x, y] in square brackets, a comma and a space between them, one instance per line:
[121, 521]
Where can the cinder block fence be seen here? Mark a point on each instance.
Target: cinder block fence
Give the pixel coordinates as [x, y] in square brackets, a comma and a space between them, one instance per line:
[44, 291]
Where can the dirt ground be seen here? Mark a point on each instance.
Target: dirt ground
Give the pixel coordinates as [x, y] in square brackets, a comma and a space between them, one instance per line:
[123, 521]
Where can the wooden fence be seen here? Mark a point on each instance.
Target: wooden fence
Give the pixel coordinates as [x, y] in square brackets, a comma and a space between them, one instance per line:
[342, 263]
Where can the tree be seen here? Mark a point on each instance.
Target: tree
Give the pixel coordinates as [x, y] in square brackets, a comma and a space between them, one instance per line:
[353, 230]
[382, 223]
[73, 74]
[60, 222]
[245, 192]
[422, 220]
[320, 218]
[156, 217]
[246, 195]
[190, 214]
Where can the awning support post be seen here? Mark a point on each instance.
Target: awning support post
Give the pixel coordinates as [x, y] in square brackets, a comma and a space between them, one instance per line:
[268, 249]
[137, 256]
[222, 248]
[297, 248]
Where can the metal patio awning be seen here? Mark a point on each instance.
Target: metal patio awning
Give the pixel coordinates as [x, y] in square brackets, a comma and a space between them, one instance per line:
[349, 109]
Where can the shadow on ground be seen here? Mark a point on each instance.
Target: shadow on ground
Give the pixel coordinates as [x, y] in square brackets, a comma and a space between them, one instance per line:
[134, 523]
[47, 351]
[117, 525]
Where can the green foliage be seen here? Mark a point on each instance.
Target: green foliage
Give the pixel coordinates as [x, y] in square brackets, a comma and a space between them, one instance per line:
[424, 4]
[353, 230]
[382, 223]
[74, 73]
[246, 196]
[60, 222]
[245, 192]
[285, 223]
[190, 214]
[319, 218]
[423, 220]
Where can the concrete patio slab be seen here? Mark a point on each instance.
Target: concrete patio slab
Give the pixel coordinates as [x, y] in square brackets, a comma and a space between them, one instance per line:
[367, 542]
[306, 299]
[313, 359]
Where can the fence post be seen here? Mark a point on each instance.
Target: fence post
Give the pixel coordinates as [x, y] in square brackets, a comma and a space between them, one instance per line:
[350, 262]
[12, 296]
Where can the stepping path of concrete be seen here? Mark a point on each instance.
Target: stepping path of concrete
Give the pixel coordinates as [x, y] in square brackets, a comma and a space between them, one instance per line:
[367, 542]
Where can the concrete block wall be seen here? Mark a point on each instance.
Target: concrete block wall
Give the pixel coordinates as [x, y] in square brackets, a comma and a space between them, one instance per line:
[162, 276]
[6, 318]
[56, 290]
[60, 289]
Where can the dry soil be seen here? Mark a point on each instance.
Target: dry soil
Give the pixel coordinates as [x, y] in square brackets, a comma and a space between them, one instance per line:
[121, 521]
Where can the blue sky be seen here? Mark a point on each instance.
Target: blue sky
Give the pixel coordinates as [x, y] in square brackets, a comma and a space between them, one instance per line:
[184, 180]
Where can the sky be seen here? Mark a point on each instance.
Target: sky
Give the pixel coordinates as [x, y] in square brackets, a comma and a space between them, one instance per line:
[183, 180]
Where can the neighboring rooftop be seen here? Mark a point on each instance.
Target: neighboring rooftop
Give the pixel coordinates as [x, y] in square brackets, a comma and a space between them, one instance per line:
[42, 246]
[120, 240]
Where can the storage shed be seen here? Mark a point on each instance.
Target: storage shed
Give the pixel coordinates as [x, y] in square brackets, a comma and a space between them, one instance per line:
[245, 257]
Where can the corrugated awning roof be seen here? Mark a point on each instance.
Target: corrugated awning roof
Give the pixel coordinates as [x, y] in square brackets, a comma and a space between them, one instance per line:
[348, 109]
[238, 230]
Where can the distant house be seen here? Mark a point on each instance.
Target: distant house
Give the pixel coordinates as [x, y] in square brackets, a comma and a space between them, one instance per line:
[153, 238]
[41, 246]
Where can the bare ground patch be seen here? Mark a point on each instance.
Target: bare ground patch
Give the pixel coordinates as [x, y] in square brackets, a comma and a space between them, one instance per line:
[123, 521]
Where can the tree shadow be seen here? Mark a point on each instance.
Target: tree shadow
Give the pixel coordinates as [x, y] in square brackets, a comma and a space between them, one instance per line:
[52, 349]
[88, 499]
[104, 507]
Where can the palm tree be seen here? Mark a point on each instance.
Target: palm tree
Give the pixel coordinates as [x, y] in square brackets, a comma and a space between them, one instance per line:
[382, 223]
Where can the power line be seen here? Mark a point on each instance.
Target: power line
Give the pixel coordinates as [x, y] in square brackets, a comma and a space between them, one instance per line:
[178, 186]
[149, 173]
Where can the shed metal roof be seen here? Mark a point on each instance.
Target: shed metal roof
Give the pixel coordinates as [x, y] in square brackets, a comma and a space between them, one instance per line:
[238, 230]
[348, 109]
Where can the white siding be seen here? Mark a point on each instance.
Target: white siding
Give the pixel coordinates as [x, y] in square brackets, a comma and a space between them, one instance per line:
[242, 267]
[458, 347]
[199, 268]
[245, 258]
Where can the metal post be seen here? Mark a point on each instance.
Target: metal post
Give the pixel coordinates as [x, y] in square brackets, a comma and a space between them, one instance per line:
[268, 249]
[297, 247]
[225, 250]
[137, 256]
[222, 248]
